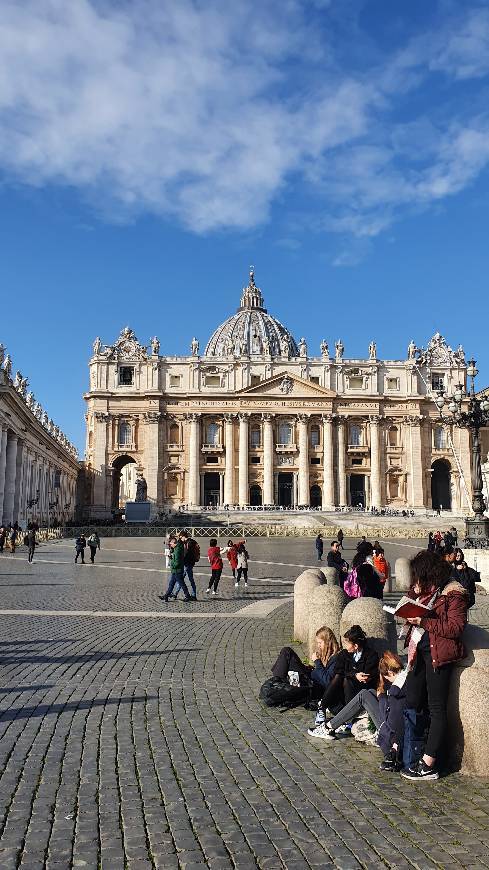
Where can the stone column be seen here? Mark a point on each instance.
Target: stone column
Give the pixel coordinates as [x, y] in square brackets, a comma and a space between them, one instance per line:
[194, 460]
[19, 483]
[243, 493]
[375, 471]
[416, 471]
[152, 457]
[342, 497]
[303, 478]
[100, 462]
[229, 467]
[10, 476]
[3, 464]
[268, 495]
[328, 463]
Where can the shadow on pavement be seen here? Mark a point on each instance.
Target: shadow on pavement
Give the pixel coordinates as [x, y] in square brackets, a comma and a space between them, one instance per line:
[46, 709]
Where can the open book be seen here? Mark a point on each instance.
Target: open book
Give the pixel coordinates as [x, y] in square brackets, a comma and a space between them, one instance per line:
[409, 609]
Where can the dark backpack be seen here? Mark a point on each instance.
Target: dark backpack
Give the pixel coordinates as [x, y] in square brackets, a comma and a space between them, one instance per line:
[276, 692]
[194, 550]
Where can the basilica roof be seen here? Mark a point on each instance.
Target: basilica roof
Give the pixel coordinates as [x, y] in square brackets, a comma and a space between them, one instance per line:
[251, 331]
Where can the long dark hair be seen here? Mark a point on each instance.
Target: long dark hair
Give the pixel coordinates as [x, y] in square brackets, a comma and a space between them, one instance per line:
[428, 571]
[355, 634]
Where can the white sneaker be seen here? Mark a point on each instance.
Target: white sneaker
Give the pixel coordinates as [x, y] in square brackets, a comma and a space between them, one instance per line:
[207, 591]
[214, 592]
[320, 718]
[321, 731]
[246, 586]
[236, 585]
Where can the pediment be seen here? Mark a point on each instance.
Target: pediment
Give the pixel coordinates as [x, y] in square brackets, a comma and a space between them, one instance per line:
[285, 385]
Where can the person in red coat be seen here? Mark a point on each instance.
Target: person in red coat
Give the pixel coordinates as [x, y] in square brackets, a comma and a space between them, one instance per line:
[215, 561]
[232, 556]
[434, 643]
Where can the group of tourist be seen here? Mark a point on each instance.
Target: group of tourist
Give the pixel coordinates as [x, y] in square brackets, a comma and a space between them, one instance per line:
[405, 701]
[11, 534]
[438, 542]
[369, 570]
[81, 543]
[182, 553]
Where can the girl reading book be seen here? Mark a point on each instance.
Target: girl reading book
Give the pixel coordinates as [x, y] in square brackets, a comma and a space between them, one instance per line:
[434, 642]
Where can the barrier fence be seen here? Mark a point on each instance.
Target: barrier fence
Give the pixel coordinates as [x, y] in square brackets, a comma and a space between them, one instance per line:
[245, 530]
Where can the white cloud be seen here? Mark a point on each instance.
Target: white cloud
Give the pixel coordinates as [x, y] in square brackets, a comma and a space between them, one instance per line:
[208, 112]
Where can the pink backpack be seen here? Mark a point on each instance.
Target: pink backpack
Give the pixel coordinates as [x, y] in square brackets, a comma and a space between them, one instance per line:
[351, 585]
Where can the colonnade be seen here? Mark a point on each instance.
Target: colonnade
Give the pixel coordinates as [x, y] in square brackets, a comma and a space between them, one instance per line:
[235, 489]
[30, 482]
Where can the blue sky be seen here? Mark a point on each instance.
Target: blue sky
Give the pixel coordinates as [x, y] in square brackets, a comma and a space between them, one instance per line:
[150, 151]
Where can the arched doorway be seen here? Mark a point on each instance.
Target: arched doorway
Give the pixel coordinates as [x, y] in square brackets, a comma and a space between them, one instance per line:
[441, 490]
[315, 496]
[255, 495]
[117, 466]
[285, 484]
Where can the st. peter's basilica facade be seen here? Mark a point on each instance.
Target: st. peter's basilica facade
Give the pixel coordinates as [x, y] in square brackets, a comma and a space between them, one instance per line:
[257, 419]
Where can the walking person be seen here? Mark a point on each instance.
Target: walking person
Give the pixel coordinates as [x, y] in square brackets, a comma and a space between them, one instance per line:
[177, 568]
[243, 559]
[319, 544]
[31, 543]
[12, 537]
[340, 537]
[80, 544]
[3, 535]
[190, 557]
[167, 553]
[215, 561]
[232, 556]
[94, 544]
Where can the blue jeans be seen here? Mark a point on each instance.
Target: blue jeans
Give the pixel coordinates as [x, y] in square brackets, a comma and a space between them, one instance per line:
[189, 571]
[176, 579]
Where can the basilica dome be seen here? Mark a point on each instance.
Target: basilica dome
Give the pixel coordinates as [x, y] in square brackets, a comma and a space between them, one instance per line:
[251, 331]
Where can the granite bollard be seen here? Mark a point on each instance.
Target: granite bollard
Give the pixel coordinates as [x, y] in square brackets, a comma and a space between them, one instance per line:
[378, 625]
[304, 586]
[403, 575]
[468, 706]
[326, 605]
[331, 575]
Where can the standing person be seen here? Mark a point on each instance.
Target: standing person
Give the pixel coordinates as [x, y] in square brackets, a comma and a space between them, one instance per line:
[215, 561]
[465, 575]
[177, 568]
[434, 644]
[243, 559]
[232, 556]
[363, 581]
[31, 543]
[319, 546]
[334, 559]
[431, 542]
[190, 557]
[80, 545]
[340, 537]
[381, 564]
[94, 544]
[437, 539]
[3, 534]
[13, 535]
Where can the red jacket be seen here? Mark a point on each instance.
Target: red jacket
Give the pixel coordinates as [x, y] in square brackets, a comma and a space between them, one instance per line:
[232, 555]
[446, 628]
[214, 556]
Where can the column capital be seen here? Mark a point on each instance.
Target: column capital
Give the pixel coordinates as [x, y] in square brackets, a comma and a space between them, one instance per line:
[375, 419]
[152, 417]
[303, 418]
[328, 418]
[244, 416]
[229, 418]
[267, 418]
[416, 420]
[193, 417]
[13, 437]
[102, 416]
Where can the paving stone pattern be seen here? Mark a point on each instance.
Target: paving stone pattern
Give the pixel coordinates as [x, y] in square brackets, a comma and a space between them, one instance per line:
[136, 743]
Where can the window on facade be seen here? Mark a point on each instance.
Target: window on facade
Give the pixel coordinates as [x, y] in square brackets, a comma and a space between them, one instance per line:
[314, 436]
[174, 434]
[212, 460]
[57, 479]
[172, 486]
[126, 376]
[255, 460]
[440, 438]
[393, 486]
[393, 438]
[255, 436]
[355, 436]
[314, 379]
[212, 380]
[315, 460]
[212, 434]
[437, 381]
[392, 384]
[355, 382]
[285, 433]
[175, 380]
[255, 379]
[356, 461]
[125, 434]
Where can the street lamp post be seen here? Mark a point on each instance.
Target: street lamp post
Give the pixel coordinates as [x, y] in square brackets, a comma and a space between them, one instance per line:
[474, 418]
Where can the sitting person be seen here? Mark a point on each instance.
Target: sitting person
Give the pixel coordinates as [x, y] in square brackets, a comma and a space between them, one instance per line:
[356, 668]
[385, 706]
[434, 643]
[290, 667]
[363, 581]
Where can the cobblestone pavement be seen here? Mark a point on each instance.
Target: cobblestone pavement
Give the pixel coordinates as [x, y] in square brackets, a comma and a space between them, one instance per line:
[139, 742]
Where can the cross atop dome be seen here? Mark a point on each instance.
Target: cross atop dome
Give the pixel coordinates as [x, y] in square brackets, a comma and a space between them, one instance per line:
[252, 295]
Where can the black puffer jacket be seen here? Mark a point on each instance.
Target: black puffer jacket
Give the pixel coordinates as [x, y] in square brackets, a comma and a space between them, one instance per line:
[368, 663]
